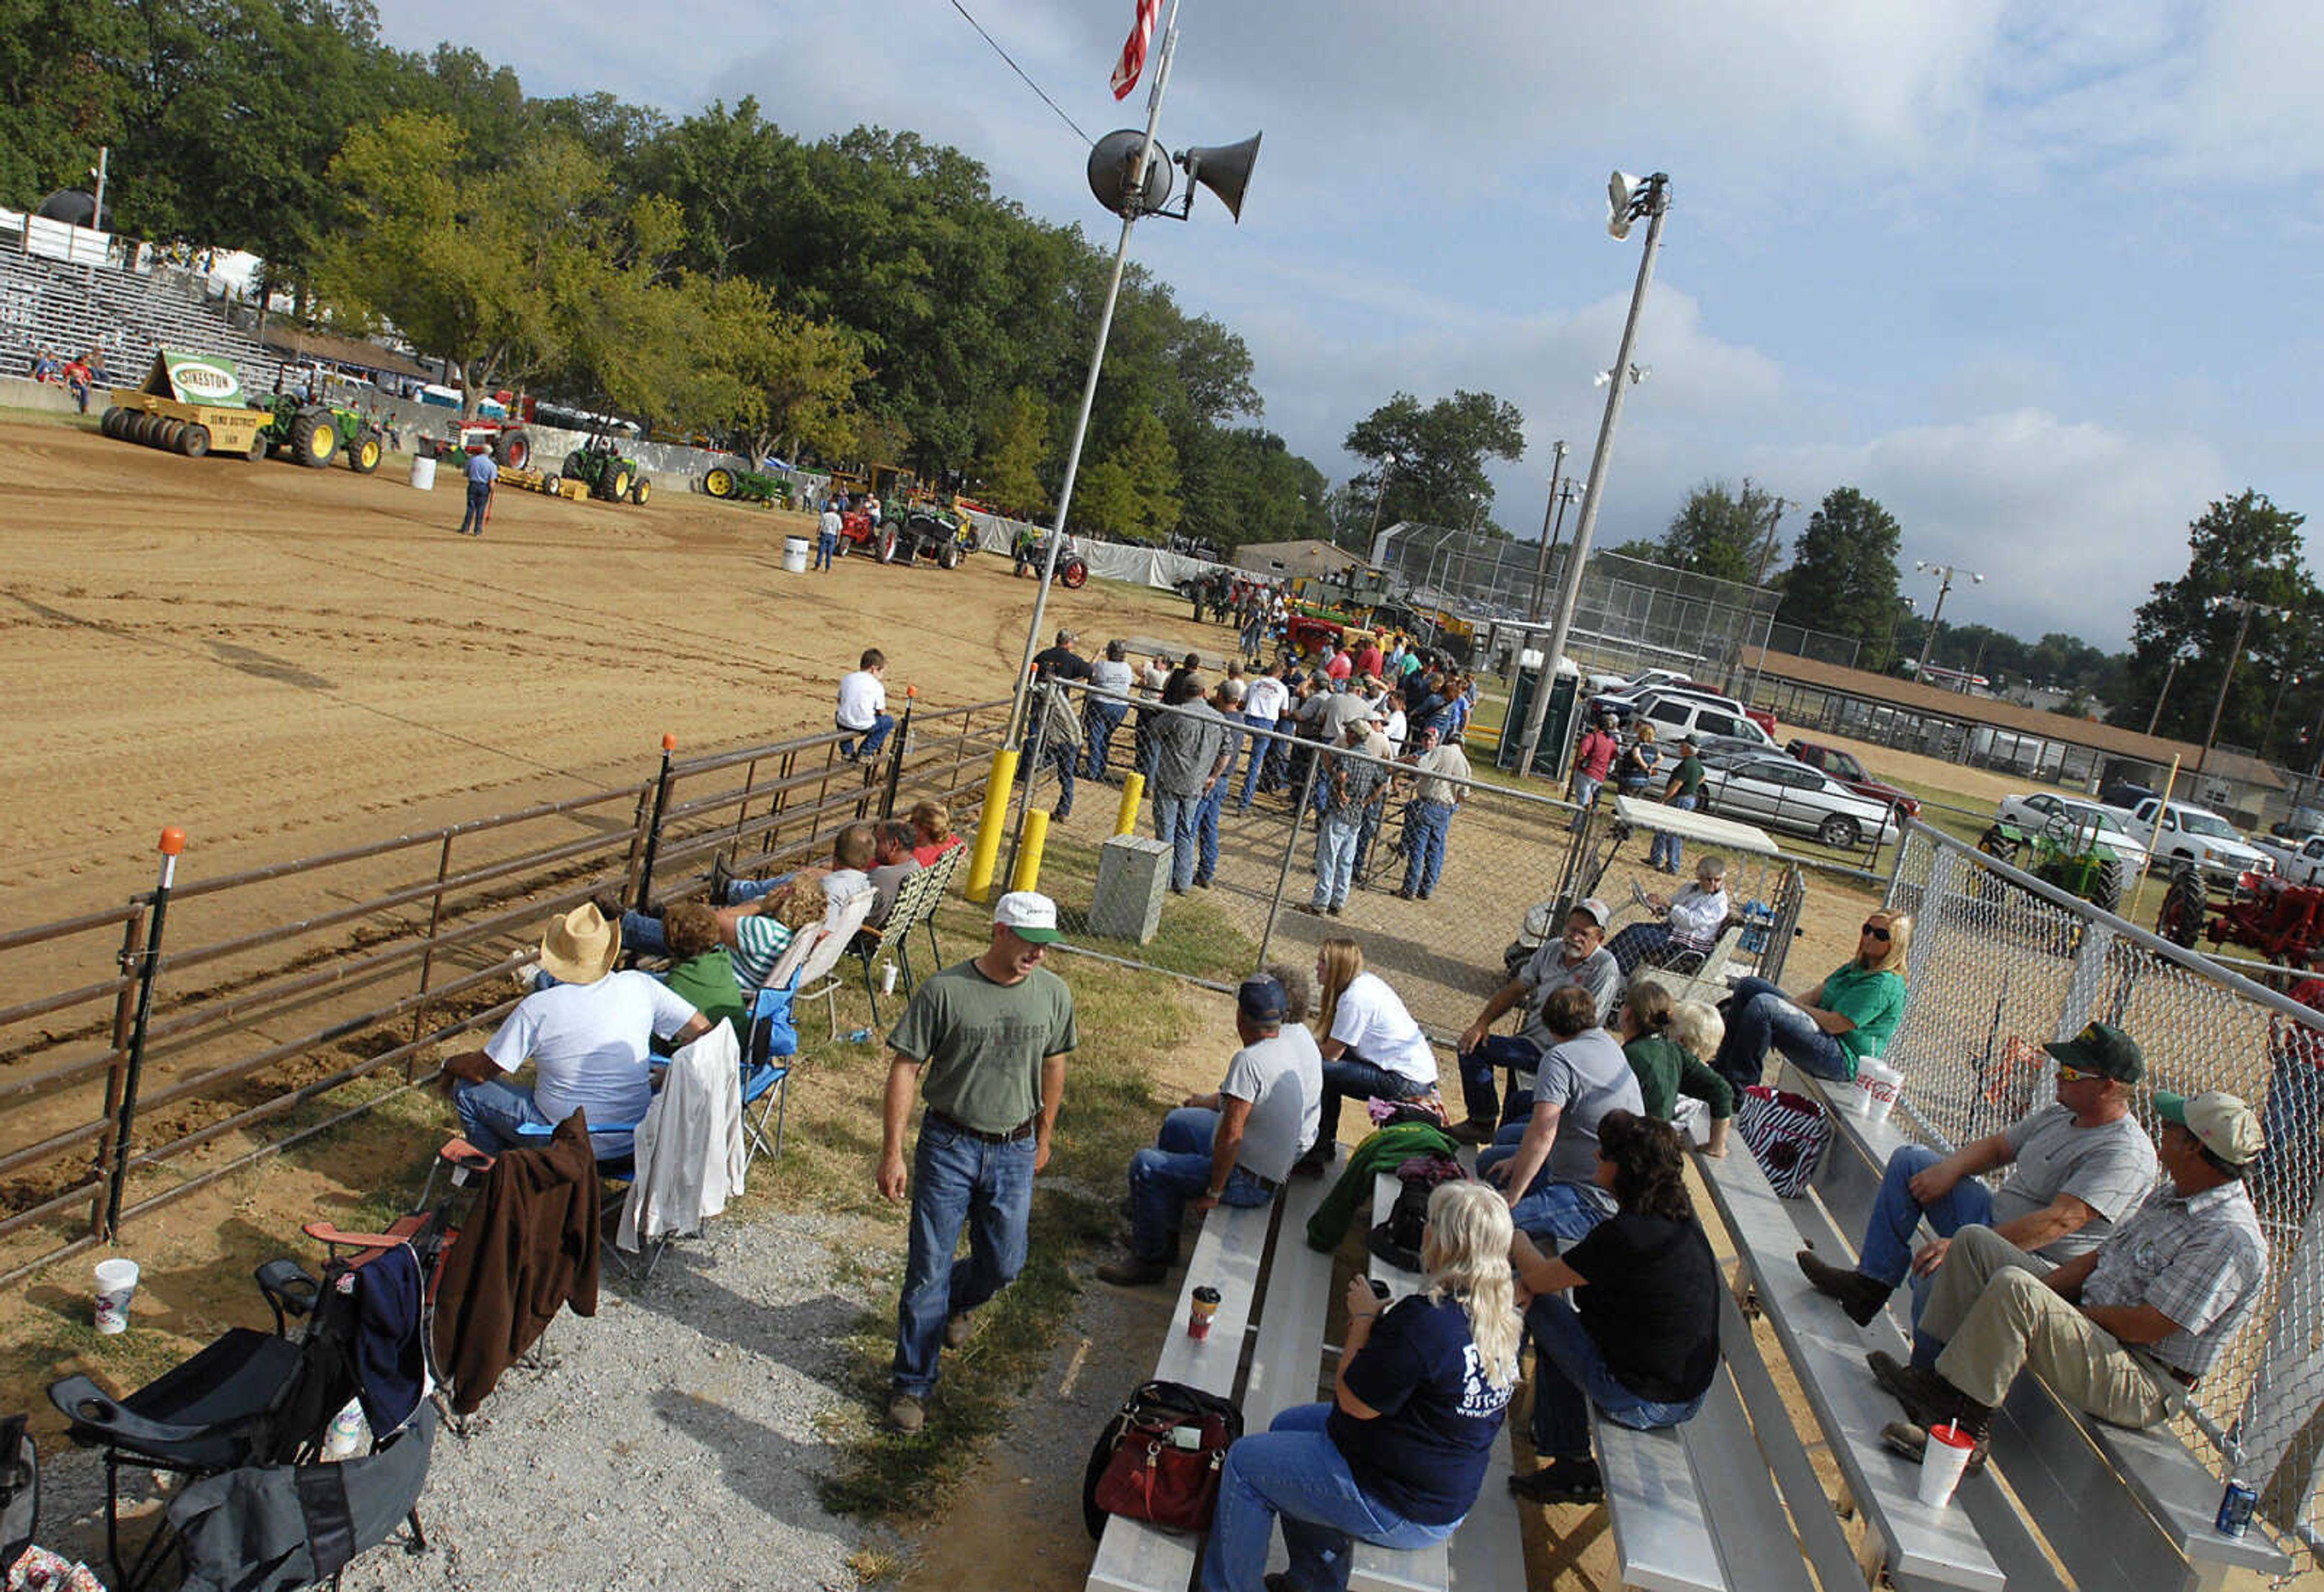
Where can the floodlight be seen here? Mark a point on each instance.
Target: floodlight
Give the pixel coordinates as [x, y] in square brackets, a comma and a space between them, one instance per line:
[1621, 189]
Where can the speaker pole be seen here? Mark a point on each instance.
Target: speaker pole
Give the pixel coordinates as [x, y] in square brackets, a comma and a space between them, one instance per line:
[1133, 194]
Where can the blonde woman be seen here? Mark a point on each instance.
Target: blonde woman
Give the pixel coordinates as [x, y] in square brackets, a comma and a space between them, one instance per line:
[1398, 1456]
[1666, 1067]
[1825, 1030]
[1372, 1047]
[1697, 1028]
[1627, 1319]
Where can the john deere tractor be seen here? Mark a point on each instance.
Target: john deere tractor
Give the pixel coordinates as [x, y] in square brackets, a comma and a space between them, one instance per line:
[315, 434]
[2063, 852]
[610, 476]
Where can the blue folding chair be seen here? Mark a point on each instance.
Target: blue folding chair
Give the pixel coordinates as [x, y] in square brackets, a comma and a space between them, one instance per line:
[767, 1056]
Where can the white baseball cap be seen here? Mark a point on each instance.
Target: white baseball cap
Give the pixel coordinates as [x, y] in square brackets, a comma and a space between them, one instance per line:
[1028, 915]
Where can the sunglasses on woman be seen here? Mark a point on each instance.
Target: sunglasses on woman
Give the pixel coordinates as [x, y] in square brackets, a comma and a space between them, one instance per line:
[1879, 931]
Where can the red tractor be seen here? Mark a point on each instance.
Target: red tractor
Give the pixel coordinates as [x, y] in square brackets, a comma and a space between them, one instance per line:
[2282, 921]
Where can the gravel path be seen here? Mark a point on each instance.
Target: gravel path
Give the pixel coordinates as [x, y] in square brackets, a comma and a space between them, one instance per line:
[673, 1441]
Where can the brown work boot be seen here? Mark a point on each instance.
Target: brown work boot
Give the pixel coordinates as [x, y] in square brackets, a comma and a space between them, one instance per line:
[1928, 1399]
[906, 1415]
[1477, 1130]
[1860, 1296]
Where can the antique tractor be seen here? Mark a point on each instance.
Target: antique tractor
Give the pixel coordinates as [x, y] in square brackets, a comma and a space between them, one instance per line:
[314, 434]
[2064, 853]
[610, 476]
[2282, 921]
[742, 484]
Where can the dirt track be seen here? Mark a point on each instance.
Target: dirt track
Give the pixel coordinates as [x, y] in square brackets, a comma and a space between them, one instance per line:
[274, 657]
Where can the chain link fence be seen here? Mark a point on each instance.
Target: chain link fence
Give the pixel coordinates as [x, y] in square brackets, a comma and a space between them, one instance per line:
[2001, 964]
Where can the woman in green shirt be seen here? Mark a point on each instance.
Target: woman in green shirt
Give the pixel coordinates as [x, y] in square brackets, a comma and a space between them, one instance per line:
[1825, 1030]
[1665, 1068]
[700, 969]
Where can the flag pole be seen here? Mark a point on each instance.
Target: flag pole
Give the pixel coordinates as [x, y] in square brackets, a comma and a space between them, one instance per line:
[1135, 193]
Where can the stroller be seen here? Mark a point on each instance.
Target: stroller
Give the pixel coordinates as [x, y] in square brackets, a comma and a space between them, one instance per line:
[243, 1422]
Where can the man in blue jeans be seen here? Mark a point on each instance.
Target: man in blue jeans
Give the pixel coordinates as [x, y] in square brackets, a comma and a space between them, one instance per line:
[2075, 1169]
[1234, 1147]
[1683, 792]
[1578, 957]
[481, 473]
[986, 1041]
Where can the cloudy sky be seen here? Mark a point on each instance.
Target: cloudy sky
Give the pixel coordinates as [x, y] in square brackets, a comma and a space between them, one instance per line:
[2042, 279]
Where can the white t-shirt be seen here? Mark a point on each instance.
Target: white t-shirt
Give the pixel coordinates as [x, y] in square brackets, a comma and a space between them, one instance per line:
[862, 699]
[1372, 1023]
[1697, 915]
[1109, 679]
[829, 525]
[1394, 729]
[1266, 698]
[588, 1045]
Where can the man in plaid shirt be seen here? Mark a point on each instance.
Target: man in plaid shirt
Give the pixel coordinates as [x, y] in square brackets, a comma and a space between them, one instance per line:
[2121, 1331]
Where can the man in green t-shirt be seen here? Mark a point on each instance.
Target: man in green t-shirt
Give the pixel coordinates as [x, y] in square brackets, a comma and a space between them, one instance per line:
[986, 1041]
[1685, 792]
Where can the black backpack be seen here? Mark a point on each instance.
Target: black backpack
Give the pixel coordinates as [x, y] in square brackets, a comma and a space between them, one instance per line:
[1171, 1402]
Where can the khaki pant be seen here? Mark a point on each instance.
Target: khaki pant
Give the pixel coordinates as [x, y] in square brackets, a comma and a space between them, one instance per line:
[1996, 1315]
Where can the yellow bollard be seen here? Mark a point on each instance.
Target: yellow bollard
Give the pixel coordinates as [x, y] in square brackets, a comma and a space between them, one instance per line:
[1133, 787]
[1029, 859]
[990, 826]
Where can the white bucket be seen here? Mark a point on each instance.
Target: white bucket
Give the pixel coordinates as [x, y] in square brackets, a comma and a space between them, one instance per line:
[423, 472]
[1876, 1084]
[117, 1285]
[794, 555]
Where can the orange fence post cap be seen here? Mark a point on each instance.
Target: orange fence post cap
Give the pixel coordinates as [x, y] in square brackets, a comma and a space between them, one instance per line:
[911, 691]
[173, 840]
[668, 742]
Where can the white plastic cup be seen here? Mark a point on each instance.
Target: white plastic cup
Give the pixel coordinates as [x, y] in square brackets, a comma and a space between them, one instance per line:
[1942, 1463]
[117, 1285]
[887, 978]
[1876, 1084]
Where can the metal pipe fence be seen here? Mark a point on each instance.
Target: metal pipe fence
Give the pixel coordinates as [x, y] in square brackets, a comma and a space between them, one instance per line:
[2002, 962]
[292, 996]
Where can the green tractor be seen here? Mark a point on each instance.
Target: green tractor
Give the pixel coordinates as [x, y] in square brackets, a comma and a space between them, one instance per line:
[315, 434]
[2066, 852]
[738, 483]
[609, 475]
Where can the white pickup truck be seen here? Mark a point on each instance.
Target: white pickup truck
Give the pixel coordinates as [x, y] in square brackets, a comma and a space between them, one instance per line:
[2300, 859]
[2186, 833]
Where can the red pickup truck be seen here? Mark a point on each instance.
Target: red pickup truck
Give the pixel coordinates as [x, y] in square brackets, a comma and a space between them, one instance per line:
[1844, 767]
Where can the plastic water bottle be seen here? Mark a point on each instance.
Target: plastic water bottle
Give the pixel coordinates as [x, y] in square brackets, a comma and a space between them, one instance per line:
[857, 1036]
[350, 1434]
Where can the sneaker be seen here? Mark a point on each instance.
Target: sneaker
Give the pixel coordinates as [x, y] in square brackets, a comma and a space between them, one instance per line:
[1309, 907]
[1130, 1272]
[1860, 1296]
[958, 1325]
[1561, 1481]
[1902, 1437]
[1477, 1130]
[1202, 881]
[907, 1414]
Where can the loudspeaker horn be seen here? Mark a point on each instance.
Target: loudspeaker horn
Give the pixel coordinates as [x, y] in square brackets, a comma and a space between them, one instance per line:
[1110, 160]
[1225, 170]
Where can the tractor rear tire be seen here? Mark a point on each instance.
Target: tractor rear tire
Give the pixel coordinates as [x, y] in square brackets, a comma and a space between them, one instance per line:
[512, 451]
[2001, 847]
[613, 481]
[2181, 920]
[640, 490]
[369, 449]
[314, 437]
[2105, 888]
[719, 482]
[194, 441]
[110, 423]
[948, 556]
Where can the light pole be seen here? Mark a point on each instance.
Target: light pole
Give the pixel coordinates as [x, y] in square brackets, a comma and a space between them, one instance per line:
[2244, 607]
[2283, 682]
[1896, 622]
[1767, 550]
[1937, 616]
[1548, 509]
[2178, 656]
[1629, 199]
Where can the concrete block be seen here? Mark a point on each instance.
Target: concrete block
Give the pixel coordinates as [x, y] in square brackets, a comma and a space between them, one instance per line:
[1133, 873]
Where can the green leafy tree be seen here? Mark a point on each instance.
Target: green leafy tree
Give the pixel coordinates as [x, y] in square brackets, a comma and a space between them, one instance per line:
[1015, 448]
[2243, 547]
[1440, 450]
[796, 381]
[61, 93]
[1723, 532]
[1843, 574]
[1133, 491]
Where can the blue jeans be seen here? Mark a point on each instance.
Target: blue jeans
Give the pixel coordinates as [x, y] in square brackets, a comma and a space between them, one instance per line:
[1060, 756]
[1886, 1255]
[1428, 825]
[1570, 1375]
[825, 544]
[1762, 1015]
[956, 1181]
[2294, 1105]
[1585, 796]
[1262, 753]
[1175, 820]
[1206, 828]
[1296, 1471]
[642, 935]
[873, 738]
[1336, 857]
[1669, 851]
[1175, 1169]
[480, 497]
[1478, 1066]
[1547, 1208]
[1100, 718]
[1641, 942]
[491, 1113]
[1352, 1075]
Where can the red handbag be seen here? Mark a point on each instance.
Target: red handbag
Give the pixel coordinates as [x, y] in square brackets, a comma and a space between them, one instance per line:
[1165, 1457]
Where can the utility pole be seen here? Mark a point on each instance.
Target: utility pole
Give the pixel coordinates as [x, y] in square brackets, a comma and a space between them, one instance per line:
[1937, 616]
[2244, 609]
[1549, 508]
[104, 156]
[1380, 498]
[1767, 551]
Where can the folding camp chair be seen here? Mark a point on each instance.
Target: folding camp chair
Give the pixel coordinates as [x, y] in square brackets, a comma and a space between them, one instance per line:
[813, 977]
[766, 1058]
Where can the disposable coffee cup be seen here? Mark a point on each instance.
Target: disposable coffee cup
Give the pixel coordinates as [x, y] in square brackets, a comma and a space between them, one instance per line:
[1942, 1462]
[117, 1285]
[1198, 1316]
[1877, 1083]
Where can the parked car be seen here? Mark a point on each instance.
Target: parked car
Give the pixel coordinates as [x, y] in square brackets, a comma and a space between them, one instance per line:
[1631, 685]
[1623, 708]
[1674, 713]
[2065, 819]
[1780, 793]
[2181, 832]
[1844, 767]
[2301, 862]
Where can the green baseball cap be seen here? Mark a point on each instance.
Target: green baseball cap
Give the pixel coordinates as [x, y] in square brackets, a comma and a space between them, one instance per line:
[2103, 1048]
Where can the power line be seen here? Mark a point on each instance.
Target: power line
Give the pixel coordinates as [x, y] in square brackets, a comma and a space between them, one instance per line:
[1020, 71]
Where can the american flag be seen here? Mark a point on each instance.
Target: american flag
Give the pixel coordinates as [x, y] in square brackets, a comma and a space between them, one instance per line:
[1133, 49]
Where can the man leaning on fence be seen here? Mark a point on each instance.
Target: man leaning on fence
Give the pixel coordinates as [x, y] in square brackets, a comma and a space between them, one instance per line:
[986, 1041]
[1436, 794]
[1235, 1146]
[2123, 1330]
[2076, 1167]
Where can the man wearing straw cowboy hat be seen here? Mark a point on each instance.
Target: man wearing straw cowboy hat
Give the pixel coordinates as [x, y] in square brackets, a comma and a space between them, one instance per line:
[587, 1036]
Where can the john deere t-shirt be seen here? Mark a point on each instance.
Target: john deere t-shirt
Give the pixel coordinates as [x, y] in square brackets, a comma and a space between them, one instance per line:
[1424, 1456]
[1874, 1001]
[981, 1042]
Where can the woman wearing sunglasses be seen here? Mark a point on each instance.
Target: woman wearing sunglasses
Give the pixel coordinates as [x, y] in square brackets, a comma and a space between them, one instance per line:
[1825, 1030]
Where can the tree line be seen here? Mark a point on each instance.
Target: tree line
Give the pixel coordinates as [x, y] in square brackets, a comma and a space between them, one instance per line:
[866, 297]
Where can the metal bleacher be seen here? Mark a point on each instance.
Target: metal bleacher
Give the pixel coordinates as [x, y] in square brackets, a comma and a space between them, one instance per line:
[70, 309]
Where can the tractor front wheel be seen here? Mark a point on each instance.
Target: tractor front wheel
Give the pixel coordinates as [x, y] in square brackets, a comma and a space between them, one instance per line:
[948, 556]
[363, 457]
[259, 449]
[1073, 575]
[2105, 888]
[640, 490]
[719, 482]
[194, 441]
[614, 482]
[576, 463]
[1998, 845]
[2181, 920]
[314, 437]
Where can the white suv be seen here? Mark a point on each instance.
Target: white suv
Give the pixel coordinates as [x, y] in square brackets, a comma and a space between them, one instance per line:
[1698, 713]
